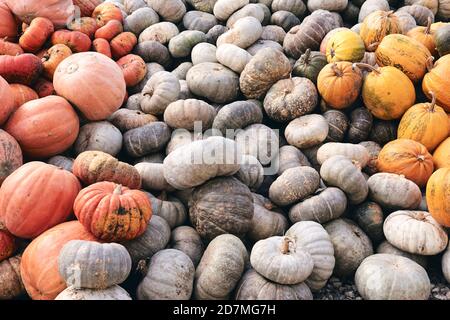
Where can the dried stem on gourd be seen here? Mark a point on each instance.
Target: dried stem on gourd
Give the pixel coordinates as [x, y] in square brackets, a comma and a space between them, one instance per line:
[307, 55]
[430, 63]
[285, 245]
[357, 165]
[433, 101]
[428, 28]
[336, 70]
[118, 189]
[373, 46]
[367, 67]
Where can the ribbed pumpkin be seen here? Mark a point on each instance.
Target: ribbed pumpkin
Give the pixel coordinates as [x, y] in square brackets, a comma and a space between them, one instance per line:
[408, 158]
[404, 53]
[376, 26]
[381, 94]
[441, 155]
[36, 197]
[8, 25]
[437, 80]
[425, 36]
[112, 212]
[309, 65]
[86, 25]
[438, 197]
[345, 45]
[10, 155]
[39, 266]
[36, 34]
[22, 94]
[7, 100]
[426, 123]
[98, 78]
[87, 6]
[44, 127]
[339, 84]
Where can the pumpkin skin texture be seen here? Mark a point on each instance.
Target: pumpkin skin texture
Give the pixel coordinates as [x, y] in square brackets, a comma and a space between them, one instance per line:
[8, 24]
[438, 197]
[339, 84]
[75, 40]
[238, 115]
[10, 281]
[53, 57]
[376, 26]
[187, 240]
[415, 232]
[86, 25]
[92, 265]
[36, 34]
[392, 277]
[7, 99]
[10, 155]
[23, 69]
[170, 276]
[357, 153]
[61, 162]
[345, 45]
[441, 156]
[309, 65]
[24, 211]
[109, 30]
[125, 119]
[7, 244]
[446, 265]
[122, 44]
[134, 69]
[386, 247]
[369, 217]
[102, 46]
[112, 212]
[425, 123]
[408, 158]
[44, 127]
[9, 48]
[404, 53]
[425, 36]
[437, 81]
[109, 294]
[442, 39]
[87, 6]
[39, 266]
[220, 268]
[380, 96]
[96, 166]
[92, 73]
[44, 88]
[307, 131]
[374, 149]
[222, 205]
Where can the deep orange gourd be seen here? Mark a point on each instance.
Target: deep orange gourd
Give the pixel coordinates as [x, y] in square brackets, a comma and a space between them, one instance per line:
[10, 155]
[75, 40]
[7, 101]
[102, 46]
[36, 34]
[53, 57]
[134, 69]
[44, 88]
[9, 48]
[86, 25]
[86, 6]
[24, 69]
[425, 36]
[112, 212]
[44, 127]
[122, 44]
[109, 30]
[441, 155]
[36, 197]
[105, 12]
[8, 25]
[339, 84]
[7, 244]
[438, 197]
[437, 80]
[22, 94]
[39, 266]
[376, 26]
[406, 157]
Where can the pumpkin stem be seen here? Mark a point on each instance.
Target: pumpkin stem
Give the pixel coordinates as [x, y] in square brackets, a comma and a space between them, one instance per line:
[428, 28]
[421, 157]
[366, 66]
[335, 69]
[357, 164]
[118, 189]
[373, 46]
[163, 196]
[307, 55]
[285, 245]
[430, 63]
[433, 100]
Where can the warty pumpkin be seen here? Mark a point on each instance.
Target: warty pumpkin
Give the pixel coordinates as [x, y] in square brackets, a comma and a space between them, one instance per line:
[53, 57]
[99, 79]
[105, 12]
[438, 81]
[425, 36]
[380, 93]
[408, 158]
[404, 53]
[339, 84]
[112, 212]
[36, 34]
[426, 123]
[345, 45]
[44, 127]
[8, 24]
[441, 155]
[134, 69]
[86, 25]
[39, 266]
[24, 210]
[438, 197]
[376, 26]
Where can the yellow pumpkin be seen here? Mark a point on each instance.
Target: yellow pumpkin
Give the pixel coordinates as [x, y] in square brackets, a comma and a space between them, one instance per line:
[426, 123]
[404, 53]
[438, 196]
[345, 45]
[381, 92]
[435, 26]
[441, 156]
[376, 26]
[437, 80]
[425, 36]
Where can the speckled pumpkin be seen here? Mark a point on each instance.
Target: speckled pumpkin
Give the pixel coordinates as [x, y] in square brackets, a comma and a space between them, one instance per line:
[438, 82]
[438, 197]
[376, 26]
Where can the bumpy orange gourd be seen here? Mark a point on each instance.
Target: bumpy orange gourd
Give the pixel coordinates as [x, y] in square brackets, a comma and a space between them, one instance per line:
[102, 46]
[44, 127]
[437, 80]
[86, 25]
[24, 68]
[39, 265]
[53, 57]
[381, 92]
[22, 94]
[441, 155]
[345, 45]
[404, 53]
[339, 84]
[109, 30]
[425, 36]
[376, 26]
[406, 157]
[96, 76]
[36, 34]
[112, 212]
[426, 123]
[134, 69]
[122, 44]
[105, 12]
[75, 40]
[438, 197]
[7, 100]
[36, 197]
[8, 25]
[10, 48]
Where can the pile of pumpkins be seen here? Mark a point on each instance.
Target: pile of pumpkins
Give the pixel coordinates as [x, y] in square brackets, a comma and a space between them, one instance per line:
[117, 181]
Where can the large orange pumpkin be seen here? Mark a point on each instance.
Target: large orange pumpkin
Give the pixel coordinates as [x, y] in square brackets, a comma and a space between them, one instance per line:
[7, 100]
[438, 196]
[22, 94]
[376, 26]
[426, 123]
[437, 80]
[406, 157]
[425, 36]
[60, 12]
[441, 155]
[10, 155]
[39, 266]
[339, 84]
[53, 57]
[92, 82]
[112, 212]
[404, 53]
[44, 127]
[36, 34]
[381, 93]
[87, 6]
[8, 25]
[36, 197]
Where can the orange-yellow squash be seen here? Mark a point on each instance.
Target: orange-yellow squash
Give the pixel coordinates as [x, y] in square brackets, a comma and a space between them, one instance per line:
[437, 80]
[376, 26]
[438, 196]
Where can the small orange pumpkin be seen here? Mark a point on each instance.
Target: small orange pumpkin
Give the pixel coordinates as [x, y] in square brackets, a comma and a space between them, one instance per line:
[105, 12]
[102, 46]
[438, 197]
[36, 34]
[10, 48]
[425, 36]
[437, 80]
[134, 69]
[44, 88]
[109, 30]
[86, 25]
[53, 57]
[441, 155]
[122, 44]
[22, 94]
[339, 84]
[75, 40]
[376, 26]
[112, 212]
